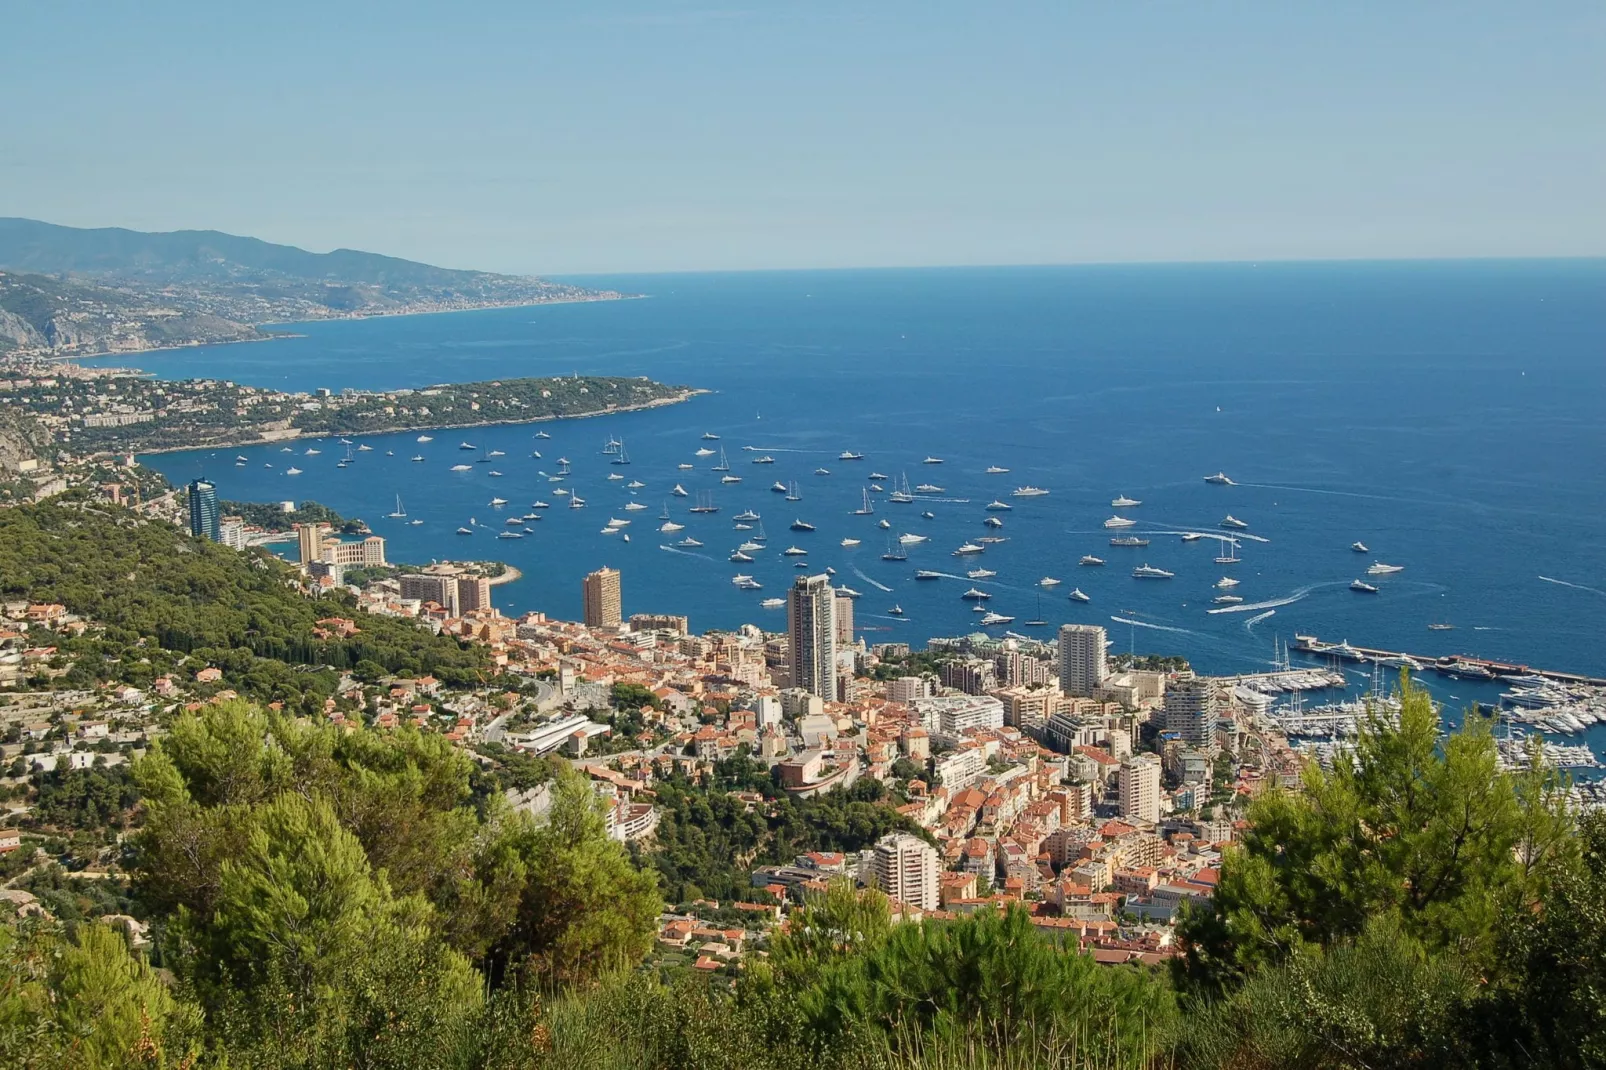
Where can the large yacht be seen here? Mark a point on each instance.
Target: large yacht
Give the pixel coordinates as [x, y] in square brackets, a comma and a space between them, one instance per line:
[1220, 479]
[1230, 521]
[1359, 547]
[1362, 586]
[969, 548]
[1119, 522]
[997, 506]
[1076, 595]
[1029, 492]
[974, 595]
[1128, 540]
[1148, 572]
[1090, 560]
[1378, 568]
[1123, 502]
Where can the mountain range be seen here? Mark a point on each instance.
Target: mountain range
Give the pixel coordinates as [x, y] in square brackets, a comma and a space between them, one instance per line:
[67, 291]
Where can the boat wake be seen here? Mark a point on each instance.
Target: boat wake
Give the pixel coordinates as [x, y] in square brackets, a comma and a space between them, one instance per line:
[783, 449]
[1156, 627]
[1223, 537]
[1575, 586]
[1274, 603]
[682, 553]
[878, 586]
[1249, 625]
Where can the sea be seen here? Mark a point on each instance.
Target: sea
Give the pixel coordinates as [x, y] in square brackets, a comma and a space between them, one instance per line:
[1450, 416]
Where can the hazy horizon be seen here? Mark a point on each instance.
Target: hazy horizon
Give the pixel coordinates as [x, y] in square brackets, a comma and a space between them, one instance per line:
[664, 137]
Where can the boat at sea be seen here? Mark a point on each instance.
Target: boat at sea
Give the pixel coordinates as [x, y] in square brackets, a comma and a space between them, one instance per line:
[669, 527]
[494, 474]
[1076, 595]
[704, 452]
[397, 513]
[542, 434]
[895, 611]
[884, 525]
[928, 488]
[895, 553]
[932, 460]
[616, 522]
[866, 508]
[425, 438]
[822, 471]
[510, 534]
[709, 436]
[498, 502]
[747, 514]
[992, 522]
[688, 543]
[750, 546]
[928, 515]
[1192, 536]
[1230, 521]
[724, 464]
[741, 556]
[576, 502]
[1362, 586]
[679, 491]
[635, 484]
[560, 492]
[794, 551]
[1225, 582]
[968, 549]
[730, 479]
[1119, 522]
[621, 457]
[741, 578]
[802, 525]
[1090, 561]
[312, 452]
[981, 573]
[792, 494]
[778, 487]
[1220, 479]
[1123, 502]
[766, 459]
[1048, 581]
[974, 595]
[901, 493]
[1378, 568]
[997, 506]
[877, 477]
[1029, 492]
[1441, 627]
[910, 540]
[1359, 547]
[467, 446]
[684, 467]
[465, 531]
[991, 620]
[496, 453]
[989, 540]
[1226, 599]
[1128, 540]
[1149, 572]
[773, 603]
[927, 574]
[1231, 556]
[996, 470]
[849, 544]
[849, 455]
[462, 468]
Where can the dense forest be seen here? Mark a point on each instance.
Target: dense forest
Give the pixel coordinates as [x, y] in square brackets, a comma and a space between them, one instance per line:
[151, 585]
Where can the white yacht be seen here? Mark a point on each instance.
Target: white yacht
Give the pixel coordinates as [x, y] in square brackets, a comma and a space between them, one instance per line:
[968, 549]
[615, 476]
[292, 471]
[635, 484]
[679, 491]
[1029, 492]
[822, 471]
[895, 611]
[542, 434]
[974, 595]
[738, 555]
[884, 525]
[498, 502]
[1359, 547]
[849, 455]
[313, 452]
[1220, 479]
[709, 436]
[747, 515]
[462, 468]
[1090, 560]
[418, 458]
[1119, 522]
[997, 506]
[426, 438]
[467, 446]
[766, 459]
[793, 551]
[1048, 581]
[928, 488]
[704, 452]
[496, 453]
[615, 522]
[911, 540]
[849, 543]
[399, 512]
[730, 479]
[996, 470]
[1076, 595]
[773, 603]
[1362, 586]
[1230, 521]
[688, 543]
[1123, 502]
[1226, 582]
[932, 460]
[1148, 572]
[1226, 600]
[635, 507]
[1378, 568]
[993, 619]
[669, 527]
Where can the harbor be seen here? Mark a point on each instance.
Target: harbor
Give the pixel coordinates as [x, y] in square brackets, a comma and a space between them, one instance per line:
[1457, 666]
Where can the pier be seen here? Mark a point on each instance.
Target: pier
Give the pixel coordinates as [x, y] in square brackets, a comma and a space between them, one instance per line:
[1457, 665]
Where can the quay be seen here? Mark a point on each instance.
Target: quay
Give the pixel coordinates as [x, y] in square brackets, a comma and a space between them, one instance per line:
[1455, 665]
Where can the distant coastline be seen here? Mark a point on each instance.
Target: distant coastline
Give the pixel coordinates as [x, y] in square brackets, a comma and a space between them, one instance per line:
[242, 443]
[276, 336]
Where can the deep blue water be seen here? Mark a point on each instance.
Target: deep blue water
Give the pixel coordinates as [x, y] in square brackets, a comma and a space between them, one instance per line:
[1449, 415]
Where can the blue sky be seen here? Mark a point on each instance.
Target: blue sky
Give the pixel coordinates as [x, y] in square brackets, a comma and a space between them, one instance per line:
[600, 136]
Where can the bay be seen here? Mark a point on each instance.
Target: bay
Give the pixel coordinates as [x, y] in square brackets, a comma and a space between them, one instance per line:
[1446, 414]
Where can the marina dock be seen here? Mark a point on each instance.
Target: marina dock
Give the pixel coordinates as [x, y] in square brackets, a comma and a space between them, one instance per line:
[1460, 666]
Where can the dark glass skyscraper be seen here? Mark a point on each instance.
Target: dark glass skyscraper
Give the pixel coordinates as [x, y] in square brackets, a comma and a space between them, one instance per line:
[203, 510]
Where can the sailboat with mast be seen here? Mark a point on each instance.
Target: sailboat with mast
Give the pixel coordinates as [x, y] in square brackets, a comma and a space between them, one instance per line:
[620, 456]
[866, 509]
[1231, 556]
[399, 513]
[724, 464]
